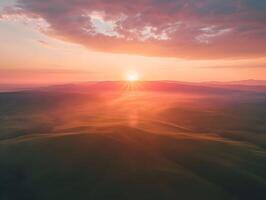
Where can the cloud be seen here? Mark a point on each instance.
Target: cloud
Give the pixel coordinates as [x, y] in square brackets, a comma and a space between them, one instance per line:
[232, 66]
[173, 28]
[33, 76]
[211, 32]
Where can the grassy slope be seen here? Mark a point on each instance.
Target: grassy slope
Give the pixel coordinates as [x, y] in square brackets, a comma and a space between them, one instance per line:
[88, 146]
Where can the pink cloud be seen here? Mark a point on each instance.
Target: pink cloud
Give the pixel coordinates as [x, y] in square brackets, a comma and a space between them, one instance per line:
[174, 28]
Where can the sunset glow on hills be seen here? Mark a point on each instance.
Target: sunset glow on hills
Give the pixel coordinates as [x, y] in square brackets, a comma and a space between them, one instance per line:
[132, 100]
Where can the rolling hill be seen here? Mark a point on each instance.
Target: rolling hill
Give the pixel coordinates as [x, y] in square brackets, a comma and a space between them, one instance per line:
[147, 140]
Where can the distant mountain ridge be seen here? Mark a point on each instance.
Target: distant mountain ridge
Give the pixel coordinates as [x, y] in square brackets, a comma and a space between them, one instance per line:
[248, 85]
[248, 82]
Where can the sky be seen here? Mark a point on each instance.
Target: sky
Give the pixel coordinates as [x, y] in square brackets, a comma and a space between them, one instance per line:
[57, 41]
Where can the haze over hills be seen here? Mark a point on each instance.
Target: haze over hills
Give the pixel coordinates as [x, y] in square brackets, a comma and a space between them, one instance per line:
[141, 140]
[188, 121]
[250, 82]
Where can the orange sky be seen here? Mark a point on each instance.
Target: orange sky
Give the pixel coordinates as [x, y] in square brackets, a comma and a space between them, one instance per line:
[36, 49]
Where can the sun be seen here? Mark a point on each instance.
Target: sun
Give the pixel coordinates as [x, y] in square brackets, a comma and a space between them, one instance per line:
[132, 76]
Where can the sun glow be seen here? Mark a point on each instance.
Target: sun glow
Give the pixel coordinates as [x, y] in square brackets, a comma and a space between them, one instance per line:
[132, 76]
